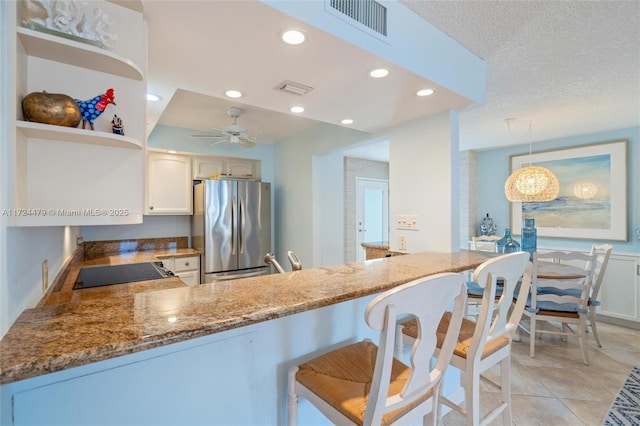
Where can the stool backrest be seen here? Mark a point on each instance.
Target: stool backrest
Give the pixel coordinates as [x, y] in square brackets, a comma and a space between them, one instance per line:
[499, 318]
[425, 299]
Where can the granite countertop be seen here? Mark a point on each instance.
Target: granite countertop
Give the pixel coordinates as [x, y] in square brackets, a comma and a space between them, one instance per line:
[384, 245]
[104, 253]
[53, 338]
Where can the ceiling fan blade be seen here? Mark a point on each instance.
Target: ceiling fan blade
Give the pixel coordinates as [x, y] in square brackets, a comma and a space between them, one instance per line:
[209, 136]
[219, 142]
[247, 143]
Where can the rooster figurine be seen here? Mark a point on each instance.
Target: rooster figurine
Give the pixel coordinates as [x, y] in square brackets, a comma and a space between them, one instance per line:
[92, 108]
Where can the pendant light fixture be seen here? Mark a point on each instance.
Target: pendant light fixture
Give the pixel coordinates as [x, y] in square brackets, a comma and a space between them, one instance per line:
[531, 183]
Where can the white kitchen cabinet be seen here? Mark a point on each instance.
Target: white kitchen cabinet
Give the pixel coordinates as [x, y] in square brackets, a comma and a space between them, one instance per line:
[186, 268]
[70, 176]
[241, 168]
[620, 291]
[169, 184]
[205, 167]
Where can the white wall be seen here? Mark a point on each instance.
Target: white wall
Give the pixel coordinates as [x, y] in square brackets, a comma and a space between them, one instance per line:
[423, 181]
[296, 195]
[26, 249]
[328, 209]
[5, 318]
[152, 227]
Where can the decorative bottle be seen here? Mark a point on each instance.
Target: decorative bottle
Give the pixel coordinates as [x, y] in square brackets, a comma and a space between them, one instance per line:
[507, 244]
[529, 236]
[488, 226]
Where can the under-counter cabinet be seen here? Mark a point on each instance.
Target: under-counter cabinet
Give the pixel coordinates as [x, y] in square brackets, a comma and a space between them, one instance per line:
[620, 291]
[185, 268]
[169, 184]
[205, 167]
[70, 176]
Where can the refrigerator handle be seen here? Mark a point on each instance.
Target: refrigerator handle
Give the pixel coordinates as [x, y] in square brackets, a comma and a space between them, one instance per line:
[234, 222]
[240, 227]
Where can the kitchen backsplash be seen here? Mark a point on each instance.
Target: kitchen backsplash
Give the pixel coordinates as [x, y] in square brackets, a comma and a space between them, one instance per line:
[93, 249]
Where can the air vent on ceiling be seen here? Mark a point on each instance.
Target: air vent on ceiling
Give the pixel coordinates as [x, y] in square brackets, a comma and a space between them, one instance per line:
[293, 88]
[369, 13]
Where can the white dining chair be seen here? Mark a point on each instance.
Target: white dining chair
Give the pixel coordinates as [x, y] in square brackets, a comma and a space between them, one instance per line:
[602, 252]
[560, 291]
[363, 383]
[484, 243]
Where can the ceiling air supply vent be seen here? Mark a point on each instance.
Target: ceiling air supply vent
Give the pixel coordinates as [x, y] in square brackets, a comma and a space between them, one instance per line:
[369, 13]
[293, 88]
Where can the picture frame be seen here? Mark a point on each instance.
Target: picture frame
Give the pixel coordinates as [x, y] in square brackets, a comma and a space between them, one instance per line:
[592, 203]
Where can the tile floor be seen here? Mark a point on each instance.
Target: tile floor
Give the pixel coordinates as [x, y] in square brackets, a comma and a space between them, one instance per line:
[555, 388]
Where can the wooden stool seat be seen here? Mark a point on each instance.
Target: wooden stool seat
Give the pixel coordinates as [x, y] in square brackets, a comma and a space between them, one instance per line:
[343, 379]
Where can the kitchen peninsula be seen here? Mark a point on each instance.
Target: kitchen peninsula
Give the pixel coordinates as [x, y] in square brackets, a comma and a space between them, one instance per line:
[224, 342]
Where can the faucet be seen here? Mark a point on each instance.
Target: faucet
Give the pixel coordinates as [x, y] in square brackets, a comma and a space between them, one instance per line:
[269, 258]
[295, 262]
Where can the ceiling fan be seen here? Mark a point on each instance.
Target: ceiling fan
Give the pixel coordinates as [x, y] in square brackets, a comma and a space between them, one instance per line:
[233, 133]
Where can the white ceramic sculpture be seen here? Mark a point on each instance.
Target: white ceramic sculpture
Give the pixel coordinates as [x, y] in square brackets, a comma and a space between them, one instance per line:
[68, 17]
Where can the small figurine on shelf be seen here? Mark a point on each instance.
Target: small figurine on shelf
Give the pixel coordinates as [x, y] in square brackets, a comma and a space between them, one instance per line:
[92, 108]
[116, 125]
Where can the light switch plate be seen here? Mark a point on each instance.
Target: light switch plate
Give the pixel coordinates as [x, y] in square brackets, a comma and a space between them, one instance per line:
[407, 221]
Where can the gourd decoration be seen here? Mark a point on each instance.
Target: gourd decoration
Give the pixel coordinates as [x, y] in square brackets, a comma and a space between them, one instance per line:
[51, 108]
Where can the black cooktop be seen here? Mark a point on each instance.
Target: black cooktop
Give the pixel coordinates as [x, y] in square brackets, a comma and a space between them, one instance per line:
[97, 276]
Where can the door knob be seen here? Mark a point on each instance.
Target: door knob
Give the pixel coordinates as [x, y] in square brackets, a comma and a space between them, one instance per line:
[362, 230]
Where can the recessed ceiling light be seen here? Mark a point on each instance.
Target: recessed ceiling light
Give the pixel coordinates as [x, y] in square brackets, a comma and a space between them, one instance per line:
[424, 92]
[296, 109]
[379, 73]
[153, 97]
[346, 121]
[233, 93]
[171, 151]
[293, 36]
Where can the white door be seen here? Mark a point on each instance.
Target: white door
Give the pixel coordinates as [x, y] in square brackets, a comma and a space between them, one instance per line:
[372, 213]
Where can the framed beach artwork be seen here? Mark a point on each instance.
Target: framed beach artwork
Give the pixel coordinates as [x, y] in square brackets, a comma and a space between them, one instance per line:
[592, 203]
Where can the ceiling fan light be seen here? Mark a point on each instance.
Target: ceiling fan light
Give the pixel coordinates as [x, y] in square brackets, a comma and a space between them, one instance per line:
[532, 183]
[233, 94]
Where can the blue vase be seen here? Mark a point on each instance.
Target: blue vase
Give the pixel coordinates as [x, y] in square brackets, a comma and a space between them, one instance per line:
[529, 237]
[507, 244]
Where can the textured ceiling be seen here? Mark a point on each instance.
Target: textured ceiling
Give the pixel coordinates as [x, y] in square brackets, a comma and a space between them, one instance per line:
[569, 67]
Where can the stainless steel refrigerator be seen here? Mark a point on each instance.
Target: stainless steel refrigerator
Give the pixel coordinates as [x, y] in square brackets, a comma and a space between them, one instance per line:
[231, 226]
